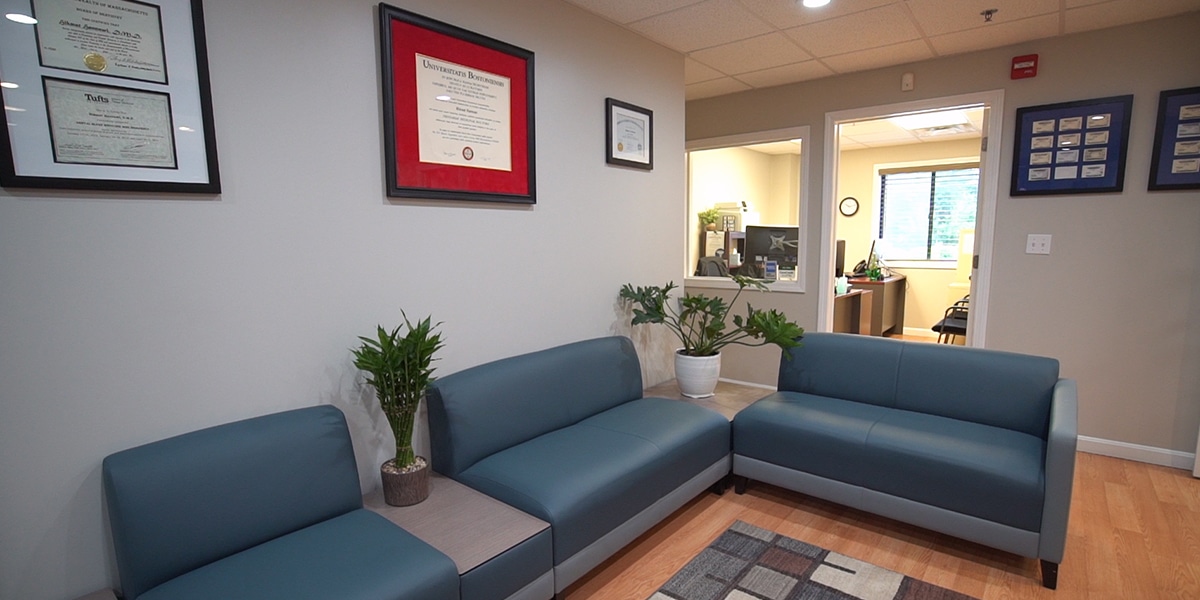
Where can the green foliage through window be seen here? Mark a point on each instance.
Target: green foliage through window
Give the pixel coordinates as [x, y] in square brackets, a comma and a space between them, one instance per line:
[922, 212]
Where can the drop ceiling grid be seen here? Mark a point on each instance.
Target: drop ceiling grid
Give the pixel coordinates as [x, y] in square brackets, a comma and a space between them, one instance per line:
[735, 45]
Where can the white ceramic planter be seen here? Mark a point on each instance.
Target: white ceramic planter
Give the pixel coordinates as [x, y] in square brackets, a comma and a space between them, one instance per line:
[697, 375]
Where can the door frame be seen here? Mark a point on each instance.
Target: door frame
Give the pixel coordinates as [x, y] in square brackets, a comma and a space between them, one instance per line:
[985, 216]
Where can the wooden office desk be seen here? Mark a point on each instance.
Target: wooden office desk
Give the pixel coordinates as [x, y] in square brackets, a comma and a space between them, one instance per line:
[887, 306]
[852, 311]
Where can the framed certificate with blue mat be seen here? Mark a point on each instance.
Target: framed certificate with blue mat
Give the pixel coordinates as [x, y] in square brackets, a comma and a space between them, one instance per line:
[1072, 147]
[1176, 161]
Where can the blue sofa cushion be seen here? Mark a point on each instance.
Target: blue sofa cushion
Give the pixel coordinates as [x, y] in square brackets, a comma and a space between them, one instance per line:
[990, 387]
[588, 478]
[183, 502]
[992, 473]
[996, 388]
[359, 555]
[482, 410]
[805, 432]
[988, 472]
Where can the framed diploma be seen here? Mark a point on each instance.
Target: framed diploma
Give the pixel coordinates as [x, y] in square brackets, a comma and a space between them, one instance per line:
[457, 112]
[106, 95]
[1175, 164]
[630, 140]
[1072, 147]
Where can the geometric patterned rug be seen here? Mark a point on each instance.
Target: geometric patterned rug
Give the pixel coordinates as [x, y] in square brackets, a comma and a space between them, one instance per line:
[751, 563]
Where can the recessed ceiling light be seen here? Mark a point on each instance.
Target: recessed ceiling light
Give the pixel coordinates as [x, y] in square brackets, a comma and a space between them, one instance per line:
[931, 119]
[22, 19]
[814, 3]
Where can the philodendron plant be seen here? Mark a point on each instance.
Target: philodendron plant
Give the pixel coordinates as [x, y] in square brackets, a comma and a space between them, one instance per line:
[398, 366]
[700, 321]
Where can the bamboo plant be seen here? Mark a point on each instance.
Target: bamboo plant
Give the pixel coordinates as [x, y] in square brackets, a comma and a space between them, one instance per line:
[399, 367]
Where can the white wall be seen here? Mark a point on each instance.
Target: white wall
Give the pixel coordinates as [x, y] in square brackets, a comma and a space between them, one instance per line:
[126, 318]
[1118, 300]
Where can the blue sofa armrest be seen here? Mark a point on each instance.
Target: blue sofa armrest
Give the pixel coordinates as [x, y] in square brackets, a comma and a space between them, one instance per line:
[1061, 441]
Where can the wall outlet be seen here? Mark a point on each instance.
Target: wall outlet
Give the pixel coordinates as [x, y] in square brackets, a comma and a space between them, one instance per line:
[1037, 243]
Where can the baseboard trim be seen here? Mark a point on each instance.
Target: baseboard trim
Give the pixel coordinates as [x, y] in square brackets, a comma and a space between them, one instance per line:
[1137, 452]
[748, 383]
[920, 332]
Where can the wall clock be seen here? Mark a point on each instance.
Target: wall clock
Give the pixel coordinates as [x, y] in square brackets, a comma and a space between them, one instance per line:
[848, 206]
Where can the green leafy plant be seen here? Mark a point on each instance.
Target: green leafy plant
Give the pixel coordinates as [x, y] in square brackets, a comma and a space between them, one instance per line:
[700, 321]
[709, 217]
[399, 367]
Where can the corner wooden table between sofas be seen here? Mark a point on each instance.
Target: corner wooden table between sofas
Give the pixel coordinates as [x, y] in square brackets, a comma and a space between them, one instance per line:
[468, 526]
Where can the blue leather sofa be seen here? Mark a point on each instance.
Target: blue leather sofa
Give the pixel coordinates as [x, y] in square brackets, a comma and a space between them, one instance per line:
[974, 443]
[565, 435]
[265, 508]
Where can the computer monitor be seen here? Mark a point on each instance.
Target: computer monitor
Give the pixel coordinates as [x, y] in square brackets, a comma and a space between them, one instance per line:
[778, 243]
[839, 259]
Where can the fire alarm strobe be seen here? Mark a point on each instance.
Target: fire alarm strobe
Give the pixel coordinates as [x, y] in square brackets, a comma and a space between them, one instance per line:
[1024, 66]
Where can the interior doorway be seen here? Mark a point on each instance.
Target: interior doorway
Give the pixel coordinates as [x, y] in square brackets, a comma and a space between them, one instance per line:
[874, 156]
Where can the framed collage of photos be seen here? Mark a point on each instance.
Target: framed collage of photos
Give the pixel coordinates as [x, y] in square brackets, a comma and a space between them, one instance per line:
[106, 95]
[1071, 147]
[1175, 164]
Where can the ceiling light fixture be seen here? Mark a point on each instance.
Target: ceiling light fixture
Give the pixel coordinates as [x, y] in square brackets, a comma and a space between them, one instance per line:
[929, 120]
[814, 3]
[20, 18]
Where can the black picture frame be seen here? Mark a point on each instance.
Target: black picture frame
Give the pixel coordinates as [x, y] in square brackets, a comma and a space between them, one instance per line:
[468, 70]
[1175, 163]
[1071, 147]
[629, 139]
[157, 132]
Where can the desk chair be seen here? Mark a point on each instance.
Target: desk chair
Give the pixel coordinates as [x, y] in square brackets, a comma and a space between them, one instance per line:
[954, 321]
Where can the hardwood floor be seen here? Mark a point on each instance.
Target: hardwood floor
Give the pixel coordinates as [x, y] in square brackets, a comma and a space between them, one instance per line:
[1134, 533]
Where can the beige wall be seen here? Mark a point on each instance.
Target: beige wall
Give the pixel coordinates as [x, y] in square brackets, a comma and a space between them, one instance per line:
[1118, 300]
[925, 297]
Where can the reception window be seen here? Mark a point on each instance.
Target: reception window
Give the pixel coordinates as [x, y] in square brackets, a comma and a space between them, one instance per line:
[739, 191]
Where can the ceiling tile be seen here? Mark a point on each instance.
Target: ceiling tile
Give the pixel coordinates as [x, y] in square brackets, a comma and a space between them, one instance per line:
[788, 13]
[695, 72]
[938, 17]
[803, 71]
[709, 23]
[716, 87]
[1119, 12]
[754, 54]
[849, 144]
[628, 11]
[881, 26]
[996, 35]
[896, 54]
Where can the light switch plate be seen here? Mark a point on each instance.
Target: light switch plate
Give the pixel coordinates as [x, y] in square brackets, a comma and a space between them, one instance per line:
[1037, 243]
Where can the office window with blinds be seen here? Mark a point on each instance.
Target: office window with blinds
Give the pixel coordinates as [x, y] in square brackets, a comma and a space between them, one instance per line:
[923, 209]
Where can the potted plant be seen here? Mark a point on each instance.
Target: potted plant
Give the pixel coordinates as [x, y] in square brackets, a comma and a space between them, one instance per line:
[709, 218]
[398, 367]
[700, 324]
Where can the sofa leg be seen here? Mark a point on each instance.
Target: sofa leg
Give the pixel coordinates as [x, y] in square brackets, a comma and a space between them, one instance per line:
[739, 484]
[1049, 575]
[720, 486]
